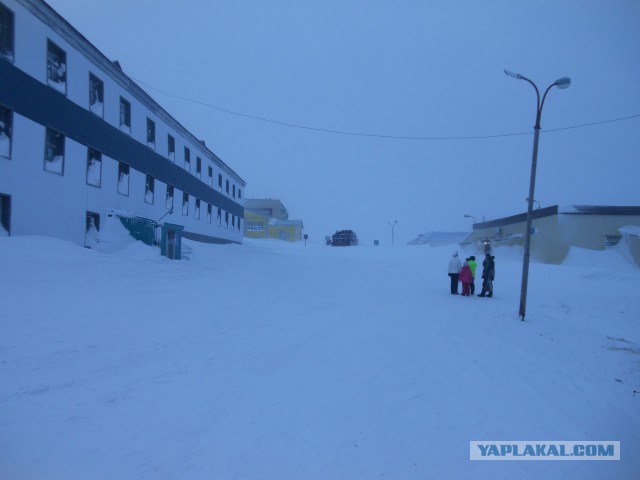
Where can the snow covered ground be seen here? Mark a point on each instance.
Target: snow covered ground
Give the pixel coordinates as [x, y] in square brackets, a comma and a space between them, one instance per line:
[272, 360]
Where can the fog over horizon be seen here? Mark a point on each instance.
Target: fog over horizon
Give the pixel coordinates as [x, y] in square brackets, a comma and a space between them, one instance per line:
[357, 114]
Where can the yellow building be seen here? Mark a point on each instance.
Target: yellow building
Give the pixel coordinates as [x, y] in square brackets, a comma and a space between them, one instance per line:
[269, 218]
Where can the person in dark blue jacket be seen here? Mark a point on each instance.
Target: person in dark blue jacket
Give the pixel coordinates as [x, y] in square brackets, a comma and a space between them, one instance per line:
[488, 275]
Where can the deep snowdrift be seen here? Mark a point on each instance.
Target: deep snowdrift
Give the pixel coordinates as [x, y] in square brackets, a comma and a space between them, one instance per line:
[279, 361]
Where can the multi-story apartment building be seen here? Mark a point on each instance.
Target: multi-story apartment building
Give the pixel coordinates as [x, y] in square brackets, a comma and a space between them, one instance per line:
[79, 138]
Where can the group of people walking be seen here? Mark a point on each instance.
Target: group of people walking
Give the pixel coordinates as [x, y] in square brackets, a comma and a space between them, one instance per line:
[465, 273]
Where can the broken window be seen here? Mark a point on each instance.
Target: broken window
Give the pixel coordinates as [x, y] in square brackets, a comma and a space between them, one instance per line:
[185, 204]
[96, 95]
[91, 230]
[54, 152]
[149, 188]
[151, 133]
[168, 204]
[612, 240]
[56, 67]
[209, 212]
[198, 167]
[6, 32]
[94, 167]
[123, 179]
[6, 124]
[197, 210]
[125, 115]
[171, 147]
[5, 215]
[187, 159]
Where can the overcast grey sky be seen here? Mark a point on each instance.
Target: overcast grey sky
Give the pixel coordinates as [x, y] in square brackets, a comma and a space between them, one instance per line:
[392, 68]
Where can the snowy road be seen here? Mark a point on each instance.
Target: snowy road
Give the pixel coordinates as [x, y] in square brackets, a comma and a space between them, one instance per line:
[279, 361]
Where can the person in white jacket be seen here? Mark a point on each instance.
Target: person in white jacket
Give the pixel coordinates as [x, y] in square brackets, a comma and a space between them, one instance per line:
[454, 272]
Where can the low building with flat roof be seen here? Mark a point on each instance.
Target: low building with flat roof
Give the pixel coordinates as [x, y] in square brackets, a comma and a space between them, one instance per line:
[556, 229]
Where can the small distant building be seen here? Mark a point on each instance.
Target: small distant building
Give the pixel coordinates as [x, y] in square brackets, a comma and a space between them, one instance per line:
[269, 218]
[555, 229]
[439, 239]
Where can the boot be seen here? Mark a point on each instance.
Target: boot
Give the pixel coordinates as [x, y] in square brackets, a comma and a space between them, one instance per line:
[490, 294]
[482, 294]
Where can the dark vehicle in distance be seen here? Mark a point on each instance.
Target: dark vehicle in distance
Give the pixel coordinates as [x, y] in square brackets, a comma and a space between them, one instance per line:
[344, 238]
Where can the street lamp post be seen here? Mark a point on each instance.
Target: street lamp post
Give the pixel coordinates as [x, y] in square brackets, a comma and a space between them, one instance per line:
[393, 227]
[471, 216]
[561, 83]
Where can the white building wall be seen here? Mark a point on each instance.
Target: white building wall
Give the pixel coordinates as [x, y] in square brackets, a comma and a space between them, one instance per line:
[51, 204]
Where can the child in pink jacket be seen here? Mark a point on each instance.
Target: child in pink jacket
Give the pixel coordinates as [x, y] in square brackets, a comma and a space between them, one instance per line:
[466, 277]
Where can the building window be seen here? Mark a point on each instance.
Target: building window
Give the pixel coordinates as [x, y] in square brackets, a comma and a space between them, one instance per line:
[198, 167]
[168, 204]
[151, 133]
[239, 229]
[219, 217]
[6, 32]
[96, 95]
[234, 191]
[209, 212]
[227, 187]
[233, 222]
[255, 226]
[56, 67]
[54, 152]
[125, 116]
[612, 240]
[226, 220]
[171, 148]
[196, 213]
[210, 181]
[185, 204]
[239, 193]
[5, 215]
[94, 167]
[123, 179]
[149, 188]
[187, 159]
[6, 126]
[220, 181]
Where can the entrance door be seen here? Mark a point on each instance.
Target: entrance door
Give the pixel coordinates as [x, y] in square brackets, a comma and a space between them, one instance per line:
[171, 244]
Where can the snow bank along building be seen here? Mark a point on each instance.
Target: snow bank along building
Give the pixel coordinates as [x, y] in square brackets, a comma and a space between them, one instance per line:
[556, 229]
[79, 139]
[269, 218]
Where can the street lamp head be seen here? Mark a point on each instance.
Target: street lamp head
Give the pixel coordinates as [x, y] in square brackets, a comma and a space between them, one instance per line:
[513, 74]
[563, 82]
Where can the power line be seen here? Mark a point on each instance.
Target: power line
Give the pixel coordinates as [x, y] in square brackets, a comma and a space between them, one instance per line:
[375, 135]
